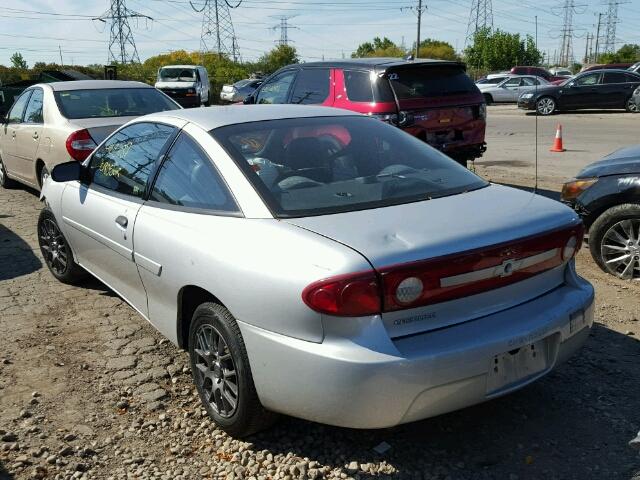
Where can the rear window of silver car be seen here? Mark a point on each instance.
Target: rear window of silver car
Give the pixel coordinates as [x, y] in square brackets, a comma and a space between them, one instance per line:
[324, 165]
[112, 102]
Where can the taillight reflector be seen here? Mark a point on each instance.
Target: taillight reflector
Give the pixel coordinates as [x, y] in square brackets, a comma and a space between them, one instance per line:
[80, 145]
[350, 295]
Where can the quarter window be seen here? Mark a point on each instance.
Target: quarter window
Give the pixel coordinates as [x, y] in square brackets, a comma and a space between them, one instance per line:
[277, 89]
[33, 113]
[614, 77]
[15, 115]
[123, 164]
[188, 178]
[358, 84]
[312, 86]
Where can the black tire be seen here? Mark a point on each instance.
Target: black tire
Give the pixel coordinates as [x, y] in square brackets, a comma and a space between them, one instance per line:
[56, 250]
[488, 99]
[550, 110]
[631, 106]
[44, 173]
[5, 181]
[208, 369]
[599, 229]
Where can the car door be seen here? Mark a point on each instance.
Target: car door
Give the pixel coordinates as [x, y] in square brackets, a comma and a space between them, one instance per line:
[9, 134]
[313, 87]
[189, 199]
[99, 217]
[277, 88]
[508, 90]
[583, 92]
[28, 136]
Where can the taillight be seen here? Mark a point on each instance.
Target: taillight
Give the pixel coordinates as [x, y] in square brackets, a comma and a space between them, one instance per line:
[350, 295]
[80, 145]
[571, 248]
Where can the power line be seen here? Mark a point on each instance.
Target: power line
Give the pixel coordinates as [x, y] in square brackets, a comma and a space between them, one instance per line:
[122, 47]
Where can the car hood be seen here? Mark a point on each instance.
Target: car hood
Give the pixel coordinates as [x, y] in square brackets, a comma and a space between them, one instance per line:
[404, 233]
[622, 161]
[175, 85]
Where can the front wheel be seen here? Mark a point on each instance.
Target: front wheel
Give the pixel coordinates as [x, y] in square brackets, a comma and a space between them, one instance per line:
[614, 241]
[546, 106]
[222, 374]
[631, 106]
[55, 249]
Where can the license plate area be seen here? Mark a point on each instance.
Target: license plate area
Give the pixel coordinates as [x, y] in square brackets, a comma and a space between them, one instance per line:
[515, 367]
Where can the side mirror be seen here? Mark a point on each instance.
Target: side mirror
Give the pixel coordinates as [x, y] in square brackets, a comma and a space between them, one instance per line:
[67, 172]
[250, 100]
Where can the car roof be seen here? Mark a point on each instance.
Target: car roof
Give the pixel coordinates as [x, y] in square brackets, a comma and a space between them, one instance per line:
[181, 66]
[377, 63]
[93, 85]
[609, 70]
[209, 118]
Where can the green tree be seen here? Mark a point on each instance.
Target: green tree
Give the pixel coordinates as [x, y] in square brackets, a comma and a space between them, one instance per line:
[279, 57]
[18, 61]
[379, 47]
[438, 49]
[628, 53]
[500, 50]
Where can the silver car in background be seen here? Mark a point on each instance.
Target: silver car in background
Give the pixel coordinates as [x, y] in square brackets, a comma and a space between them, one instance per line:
[239, 90]
[52, 123]
[509, 89]
[321, 264]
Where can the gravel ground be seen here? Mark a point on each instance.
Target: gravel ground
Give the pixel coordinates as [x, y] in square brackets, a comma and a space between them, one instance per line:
[88, 389]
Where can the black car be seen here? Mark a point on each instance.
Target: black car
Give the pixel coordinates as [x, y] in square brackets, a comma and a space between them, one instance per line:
[606, 194]
[594, 89]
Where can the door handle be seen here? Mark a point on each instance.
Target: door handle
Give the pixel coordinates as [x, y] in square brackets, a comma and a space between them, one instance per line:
[35, 135]
[122, 221]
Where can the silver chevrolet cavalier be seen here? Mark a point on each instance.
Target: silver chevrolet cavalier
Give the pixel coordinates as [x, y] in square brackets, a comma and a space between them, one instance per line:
[321, 264]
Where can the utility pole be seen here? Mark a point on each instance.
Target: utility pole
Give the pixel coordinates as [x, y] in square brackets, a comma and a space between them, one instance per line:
[598, 37]
[418, 10]
[586, 49]
[284, 27]
[480, 16]
[60, 49]
[122, 47]
[217, 26]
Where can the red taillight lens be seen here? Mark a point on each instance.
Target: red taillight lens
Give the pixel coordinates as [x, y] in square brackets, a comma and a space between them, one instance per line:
[80, 145]
[350, 295]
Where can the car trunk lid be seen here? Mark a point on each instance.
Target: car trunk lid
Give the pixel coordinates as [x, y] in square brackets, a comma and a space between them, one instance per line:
[99, 128]
[497, 219]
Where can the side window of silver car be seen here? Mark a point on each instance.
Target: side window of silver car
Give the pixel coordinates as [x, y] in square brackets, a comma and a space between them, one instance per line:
[16, 112]
[125, 161]
[187, 178]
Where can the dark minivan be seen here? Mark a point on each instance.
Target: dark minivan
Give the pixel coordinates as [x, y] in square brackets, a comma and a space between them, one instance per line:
[434, 100]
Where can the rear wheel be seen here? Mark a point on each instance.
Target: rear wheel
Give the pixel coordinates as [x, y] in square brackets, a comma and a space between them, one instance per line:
[632, 106]
[55, 249]
[614, 241]
[546, 106]
[222, 374]
[5, 181]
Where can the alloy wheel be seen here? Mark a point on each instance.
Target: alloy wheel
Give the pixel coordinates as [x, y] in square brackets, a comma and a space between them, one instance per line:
[53, 246]
[2, 174]
[216, 371]
[546, 106]
[621, 249]
[632, 106]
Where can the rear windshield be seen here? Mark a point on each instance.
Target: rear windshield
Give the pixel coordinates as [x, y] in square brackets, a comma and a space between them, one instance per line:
[432, 81]
[315, 166]
[112, 102]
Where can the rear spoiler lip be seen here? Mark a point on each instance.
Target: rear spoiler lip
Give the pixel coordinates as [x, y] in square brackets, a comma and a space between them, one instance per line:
[383, 70]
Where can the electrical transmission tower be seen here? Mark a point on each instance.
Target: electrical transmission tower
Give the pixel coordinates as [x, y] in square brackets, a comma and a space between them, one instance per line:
[610, 31]
[284, 29]
[481, 16]
[122, 47]
[217, 28]
[566, 43]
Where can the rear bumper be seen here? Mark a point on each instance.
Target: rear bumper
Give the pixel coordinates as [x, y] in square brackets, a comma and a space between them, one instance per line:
[360, 378]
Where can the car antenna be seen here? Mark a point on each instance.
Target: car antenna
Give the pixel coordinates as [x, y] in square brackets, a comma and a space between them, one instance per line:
[535, 96]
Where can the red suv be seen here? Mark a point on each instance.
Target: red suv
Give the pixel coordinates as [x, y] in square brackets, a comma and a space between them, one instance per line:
[433, 100]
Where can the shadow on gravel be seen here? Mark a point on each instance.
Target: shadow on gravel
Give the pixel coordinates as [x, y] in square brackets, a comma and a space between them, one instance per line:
[16, 256]
[4, 474]
[574, 423]
[553, 195]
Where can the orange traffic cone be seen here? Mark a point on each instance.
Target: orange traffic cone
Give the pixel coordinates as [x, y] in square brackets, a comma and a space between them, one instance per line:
[557, 143]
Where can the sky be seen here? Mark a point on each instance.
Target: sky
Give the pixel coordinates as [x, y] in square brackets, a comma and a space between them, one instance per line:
[42, 30]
